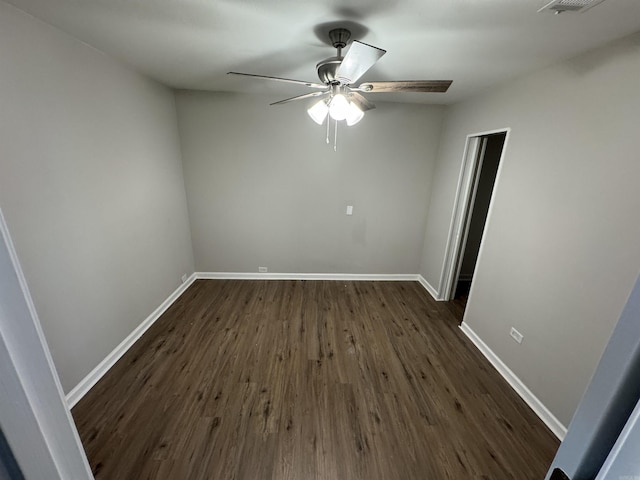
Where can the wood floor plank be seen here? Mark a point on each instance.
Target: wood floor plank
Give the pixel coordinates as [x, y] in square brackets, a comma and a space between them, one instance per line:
[309, 380]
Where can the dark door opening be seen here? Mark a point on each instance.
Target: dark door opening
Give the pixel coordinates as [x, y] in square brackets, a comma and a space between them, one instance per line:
[484, 177]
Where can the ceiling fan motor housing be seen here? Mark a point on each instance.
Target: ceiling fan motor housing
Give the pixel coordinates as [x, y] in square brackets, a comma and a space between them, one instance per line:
[327, 69]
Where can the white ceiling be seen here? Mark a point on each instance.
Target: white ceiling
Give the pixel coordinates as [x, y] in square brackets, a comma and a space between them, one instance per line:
[191, 44]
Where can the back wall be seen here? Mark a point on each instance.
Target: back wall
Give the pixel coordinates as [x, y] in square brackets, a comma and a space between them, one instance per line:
[264, 189]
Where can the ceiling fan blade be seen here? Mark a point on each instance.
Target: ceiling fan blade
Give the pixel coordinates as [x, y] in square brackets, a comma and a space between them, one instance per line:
[278, 79]
[300, 97]
[362, 102]
[360, 58]
[438, 86]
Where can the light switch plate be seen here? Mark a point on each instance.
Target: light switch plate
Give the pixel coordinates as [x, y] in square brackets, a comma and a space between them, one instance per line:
[516, 335]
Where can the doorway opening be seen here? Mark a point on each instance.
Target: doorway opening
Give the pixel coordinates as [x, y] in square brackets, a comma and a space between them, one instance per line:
[482, 159]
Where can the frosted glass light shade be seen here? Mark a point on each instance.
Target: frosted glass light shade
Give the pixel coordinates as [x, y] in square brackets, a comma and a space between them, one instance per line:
[339, 107]
[354, 114]
[318, 112]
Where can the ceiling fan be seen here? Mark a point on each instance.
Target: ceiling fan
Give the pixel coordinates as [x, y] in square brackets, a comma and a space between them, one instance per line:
[341, 99]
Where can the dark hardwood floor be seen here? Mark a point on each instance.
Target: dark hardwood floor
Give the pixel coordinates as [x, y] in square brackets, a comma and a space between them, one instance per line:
[308, 380]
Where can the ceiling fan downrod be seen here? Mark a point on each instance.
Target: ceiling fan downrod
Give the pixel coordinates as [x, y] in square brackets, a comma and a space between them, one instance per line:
[328, 67]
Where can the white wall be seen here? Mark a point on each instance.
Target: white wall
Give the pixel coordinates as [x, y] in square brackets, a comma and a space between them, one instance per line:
[560, 253]
[265, 190]
[92, 189]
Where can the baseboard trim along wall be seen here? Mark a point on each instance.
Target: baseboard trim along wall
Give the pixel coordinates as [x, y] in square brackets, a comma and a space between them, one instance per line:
[307, 276]
[429, 288]
[97, 373]
[521, 389]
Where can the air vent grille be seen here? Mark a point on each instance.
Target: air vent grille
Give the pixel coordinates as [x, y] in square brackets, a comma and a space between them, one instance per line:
[559, 6]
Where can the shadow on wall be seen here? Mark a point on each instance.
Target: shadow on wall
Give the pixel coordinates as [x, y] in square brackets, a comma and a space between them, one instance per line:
[600, 57]
[9, 468]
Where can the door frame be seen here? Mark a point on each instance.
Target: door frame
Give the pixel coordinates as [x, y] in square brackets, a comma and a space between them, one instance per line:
[474, 179]
[34, 414]
[465, 194]
[618, 456]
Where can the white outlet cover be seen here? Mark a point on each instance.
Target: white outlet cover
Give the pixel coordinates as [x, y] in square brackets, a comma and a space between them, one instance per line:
[262, 269]
[516, 335]
[349, 209]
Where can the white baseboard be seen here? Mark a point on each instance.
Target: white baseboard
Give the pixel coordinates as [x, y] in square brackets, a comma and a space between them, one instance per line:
[306, 276]
[96, 374]
[427, 286]
[521, 389]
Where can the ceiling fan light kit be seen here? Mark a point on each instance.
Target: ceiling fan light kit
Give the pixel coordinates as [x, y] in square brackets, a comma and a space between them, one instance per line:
[319, 111]
[354, 115]
[343, 100]
[338, 108]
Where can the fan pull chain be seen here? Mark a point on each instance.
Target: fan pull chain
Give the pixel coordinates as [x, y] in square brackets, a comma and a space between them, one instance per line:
[328, 122]
[335, 138]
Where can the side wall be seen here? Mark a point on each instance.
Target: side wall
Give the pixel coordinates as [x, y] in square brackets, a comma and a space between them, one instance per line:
[560, 252]
[92, 189]
[264, 189]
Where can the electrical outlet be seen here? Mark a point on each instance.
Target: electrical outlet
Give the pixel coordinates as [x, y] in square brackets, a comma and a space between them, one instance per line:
[262, 269]
[516, 335]
[349, 209]
[184, 278]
